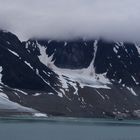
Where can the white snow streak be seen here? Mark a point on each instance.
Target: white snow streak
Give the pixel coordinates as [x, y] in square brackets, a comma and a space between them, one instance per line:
[1, 74]
[13, 52]
[21, 91]
[100, 94]
[132, 91]
[138, 48]
[28, 65]
[43, 56]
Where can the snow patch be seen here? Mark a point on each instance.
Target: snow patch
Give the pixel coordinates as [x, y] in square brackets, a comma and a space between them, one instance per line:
[2, 95]
[21, 91]
[50, 93]
[44, 58]
[63, 81]
[115, 49]
[37, 94]
[120, 81]
[65, 44]
[40, 115]
[60, 94]
[135, 80]
[49, 41]
[8, 42]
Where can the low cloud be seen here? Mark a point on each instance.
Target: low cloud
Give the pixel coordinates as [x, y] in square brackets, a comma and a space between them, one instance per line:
[68, 19]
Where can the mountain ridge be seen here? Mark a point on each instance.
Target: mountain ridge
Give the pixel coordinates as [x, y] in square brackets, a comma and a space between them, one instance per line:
[95, 78]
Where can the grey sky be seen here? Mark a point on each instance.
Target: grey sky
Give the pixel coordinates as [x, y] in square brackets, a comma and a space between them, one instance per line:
[66, 19]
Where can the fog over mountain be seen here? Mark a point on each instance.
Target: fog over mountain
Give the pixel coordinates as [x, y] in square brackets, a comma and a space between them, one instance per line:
[61, 19]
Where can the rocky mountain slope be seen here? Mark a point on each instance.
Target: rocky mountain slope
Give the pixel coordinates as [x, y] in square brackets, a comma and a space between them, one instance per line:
[77, 78]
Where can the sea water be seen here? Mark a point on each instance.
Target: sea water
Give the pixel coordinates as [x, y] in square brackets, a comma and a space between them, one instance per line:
[68, 129]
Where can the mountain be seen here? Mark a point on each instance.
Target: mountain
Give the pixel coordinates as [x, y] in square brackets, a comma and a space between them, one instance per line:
[75, 78]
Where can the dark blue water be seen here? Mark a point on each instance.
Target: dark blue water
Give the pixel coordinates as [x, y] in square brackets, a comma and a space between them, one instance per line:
[68, 129]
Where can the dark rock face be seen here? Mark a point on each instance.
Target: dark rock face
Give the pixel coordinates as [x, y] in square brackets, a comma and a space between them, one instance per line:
[76, 78]
[19, 67]
[73, 55]
[120, 61]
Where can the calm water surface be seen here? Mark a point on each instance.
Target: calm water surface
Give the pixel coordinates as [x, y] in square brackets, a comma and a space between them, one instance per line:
[67, 129]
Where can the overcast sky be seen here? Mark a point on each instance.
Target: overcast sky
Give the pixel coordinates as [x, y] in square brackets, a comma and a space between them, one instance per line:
[67, 19]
